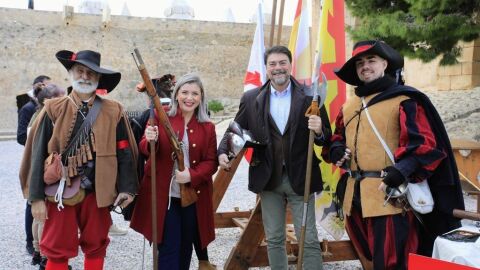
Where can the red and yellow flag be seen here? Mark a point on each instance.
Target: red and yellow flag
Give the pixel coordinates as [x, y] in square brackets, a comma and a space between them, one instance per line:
[331, 46]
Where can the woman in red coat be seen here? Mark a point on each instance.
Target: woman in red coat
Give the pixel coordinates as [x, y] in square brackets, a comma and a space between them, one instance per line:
[177, 226]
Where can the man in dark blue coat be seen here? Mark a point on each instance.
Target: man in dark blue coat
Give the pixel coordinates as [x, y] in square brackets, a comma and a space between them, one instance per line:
[25, 113]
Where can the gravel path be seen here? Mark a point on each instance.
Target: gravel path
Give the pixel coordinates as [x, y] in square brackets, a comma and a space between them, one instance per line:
[459, 109]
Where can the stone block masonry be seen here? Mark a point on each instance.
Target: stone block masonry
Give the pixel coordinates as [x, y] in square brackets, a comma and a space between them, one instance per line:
[217, 51]
[29, 39]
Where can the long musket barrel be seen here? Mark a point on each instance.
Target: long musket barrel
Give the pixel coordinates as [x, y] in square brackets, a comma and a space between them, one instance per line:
[187, 193]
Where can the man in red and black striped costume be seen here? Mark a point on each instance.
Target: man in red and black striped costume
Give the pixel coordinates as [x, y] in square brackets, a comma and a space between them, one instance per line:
[413, 131]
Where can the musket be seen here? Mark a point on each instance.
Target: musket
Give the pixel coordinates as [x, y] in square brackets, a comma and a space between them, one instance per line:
[314, 109]
[187, 193]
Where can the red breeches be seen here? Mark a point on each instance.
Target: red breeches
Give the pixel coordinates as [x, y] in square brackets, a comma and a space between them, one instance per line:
[83, 224]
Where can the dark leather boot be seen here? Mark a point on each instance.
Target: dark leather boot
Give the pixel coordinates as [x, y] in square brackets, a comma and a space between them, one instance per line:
[36, 259]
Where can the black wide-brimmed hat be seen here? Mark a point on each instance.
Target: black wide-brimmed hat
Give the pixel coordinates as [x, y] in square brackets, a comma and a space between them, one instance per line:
[90, 59]
[348, 72]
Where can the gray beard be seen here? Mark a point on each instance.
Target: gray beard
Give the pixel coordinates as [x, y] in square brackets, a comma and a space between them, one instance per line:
[282, 81]
[84, 89]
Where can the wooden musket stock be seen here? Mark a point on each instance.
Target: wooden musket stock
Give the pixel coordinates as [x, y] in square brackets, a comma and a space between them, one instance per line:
[187, 193]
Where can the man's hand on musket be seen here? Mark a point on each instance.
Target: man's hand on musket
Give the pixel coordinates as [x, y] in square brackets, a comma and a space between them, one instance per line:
[39, 210]
[224, 162]
[151, 133]
[123, 199]
[315, 124]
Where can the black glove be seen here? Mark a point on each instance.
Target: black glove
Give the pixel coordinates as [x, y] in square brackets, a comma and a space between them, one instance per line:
[394, 177]
[337, 153]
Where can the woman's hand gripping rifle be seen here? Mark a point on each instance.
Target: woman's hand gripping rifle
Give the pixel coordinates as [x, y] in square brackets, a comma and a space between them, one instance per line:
[187, 193]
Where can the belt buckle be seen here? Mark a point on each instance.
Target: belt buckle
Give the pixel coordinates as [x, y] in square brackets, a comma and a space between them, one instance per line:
[359, 176]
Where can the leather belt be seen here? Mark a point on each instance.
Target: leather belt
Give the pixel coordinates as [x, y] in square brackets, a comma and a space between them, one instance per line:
[359, 175]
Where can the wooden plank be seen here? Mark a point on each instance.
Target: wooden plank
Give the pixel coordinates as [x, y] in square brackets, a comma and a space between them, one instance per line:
[468, 163]
[245, 250]
[240, 222]
[466, 215]
[224, 219]
[464, 144]
[290, 231]
[340, 251]
[222, 180]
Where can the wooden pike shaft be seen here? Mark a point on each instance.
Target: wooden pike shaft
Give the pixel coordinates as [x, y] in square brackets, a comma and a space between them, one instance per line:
[153, 180]
[312, 110]
[306, 196]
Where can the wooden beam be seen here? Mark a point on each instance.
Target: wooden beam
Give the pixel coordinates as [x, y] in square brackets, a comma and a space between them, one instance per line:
[251, 250]
[223, 179]
[338, 250]
[464, 144]
[240, 222]
[224, 220]
[466, 215]
[245, 250]
[467, 157]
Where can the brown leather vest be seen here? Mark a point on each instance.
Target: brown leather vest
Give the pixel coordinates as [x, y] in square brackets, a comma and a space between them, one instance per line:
[371, 156]
[63, 113]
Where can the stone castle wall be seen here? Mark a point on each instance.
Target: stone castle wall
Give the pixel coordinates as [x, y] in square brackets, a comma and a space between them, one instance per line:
[217, 51]
[29, 39]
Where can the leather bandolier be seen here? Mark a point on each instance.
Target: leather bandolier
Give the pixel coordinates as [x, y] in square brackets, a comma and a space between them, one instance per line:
[63, 113]
[370, 155]
[79, 154]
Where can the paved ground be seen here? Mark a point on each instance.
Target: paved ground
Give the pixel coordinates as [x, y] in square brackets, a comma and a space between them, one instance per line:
[459, 110]
[124, 252]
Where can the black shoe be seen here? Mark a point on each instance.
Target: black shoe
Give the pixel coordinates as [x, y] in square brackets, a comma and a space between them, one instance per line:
[36, 259]
[43, 264]
[30, 249]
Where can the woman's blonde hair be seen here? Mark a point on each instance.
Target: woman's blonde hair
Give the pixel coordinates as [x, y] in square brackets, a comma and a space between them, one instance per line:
[201, 110]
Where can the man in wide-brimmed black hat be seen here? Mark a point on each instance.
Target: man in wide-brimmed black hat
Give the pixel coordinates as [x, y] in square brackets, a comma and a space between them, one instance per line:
[98, 154]
[412, 131]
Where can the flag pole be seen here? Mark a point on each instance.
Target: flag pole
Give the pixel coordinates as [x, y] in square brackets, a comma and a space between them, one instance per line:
[272, 23]
[316, 11]
[280, 22]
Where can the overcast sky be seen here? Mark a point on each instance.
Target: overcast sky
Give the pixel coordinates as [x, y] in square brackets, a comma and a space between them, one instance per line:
[209, 10]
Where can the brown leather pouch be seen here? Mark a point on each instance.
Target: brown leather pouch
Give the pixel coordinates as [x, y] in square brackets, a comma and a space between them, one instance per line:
[52, 170]
[72, 194]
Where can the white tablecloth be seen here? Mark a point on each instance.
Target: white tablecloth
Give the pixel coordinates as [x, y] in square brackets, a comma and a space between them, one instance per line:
[466, 253]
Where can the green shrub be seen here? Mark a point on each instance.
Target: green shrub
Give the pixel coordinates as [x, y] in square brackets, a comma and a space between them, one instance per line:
[215, 106]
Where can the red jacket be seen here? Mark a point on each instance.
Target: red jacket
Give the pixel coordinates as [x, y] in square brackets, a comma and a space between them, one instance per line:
[203, 164]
